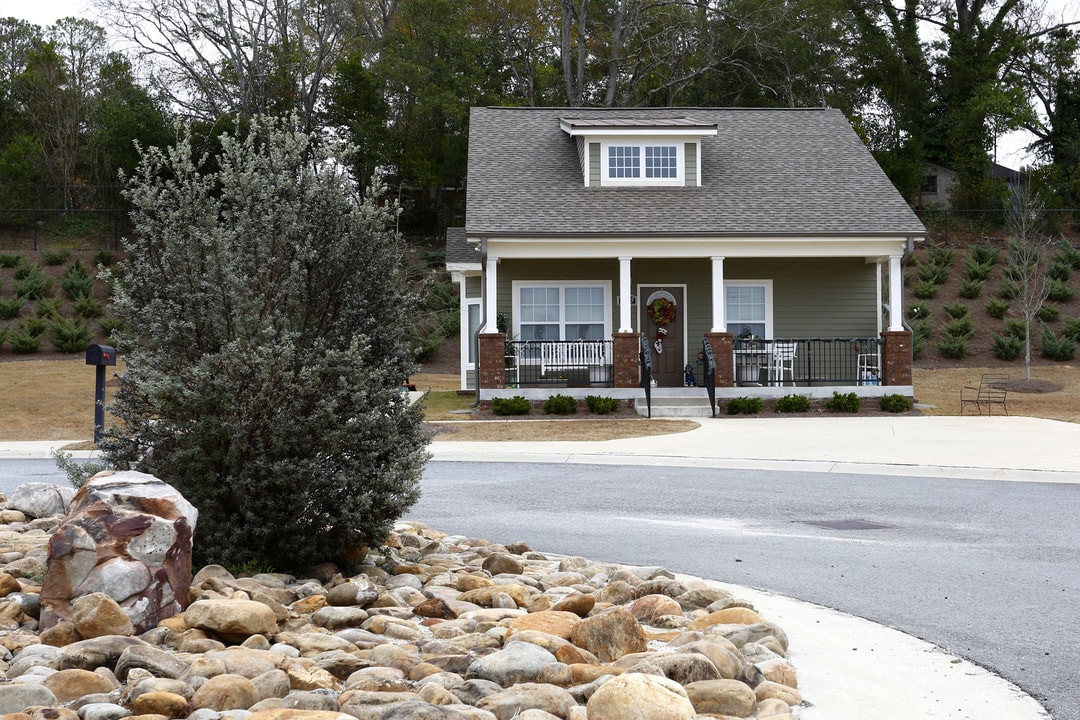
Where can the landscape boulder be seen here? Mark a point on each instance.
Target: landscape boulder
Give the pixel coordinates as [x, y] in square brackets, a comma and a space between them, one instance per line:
[127, 535]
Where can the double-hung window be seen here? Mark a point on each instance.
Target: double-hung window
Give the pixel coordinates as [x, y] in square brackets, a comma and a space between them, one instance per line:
[563, 311]
[641, 163]
[748, 305]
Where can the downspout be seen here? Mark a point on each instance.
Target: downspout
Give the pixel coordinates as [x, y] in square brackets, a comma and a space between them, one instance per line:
[483, 315]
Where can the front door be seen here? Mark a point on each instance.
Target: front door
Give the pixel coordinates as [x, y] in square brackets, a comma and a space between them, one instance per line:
[662, 318]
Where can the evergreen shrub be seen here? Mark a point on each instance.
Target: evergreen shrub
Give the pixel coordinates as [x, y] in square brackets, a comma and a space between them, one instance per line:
[961, 327]
[516, 405]
[1006, 347]
[87, 307]
[744, 406]
[953, 347]
[793, 404]
[55, 256]
[971, 289]
[24, 343]
[69, 336]
[1060, 292]
[560, 405]
[1048, 313]
[9, 261]
[600, 405]
[924, 290]
[11, 307]
[103, 258]
[1071, 328]
[956, 310]
[49, 308]
[1008, 290]
[997, 308]
[984, 255]
[895, 403]
[843, 403]
[1060, 349]
[34, 285]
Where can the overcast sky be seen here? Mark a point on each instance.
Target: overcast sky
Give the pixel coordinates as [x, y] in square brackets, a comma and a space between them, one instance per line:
[46, 12]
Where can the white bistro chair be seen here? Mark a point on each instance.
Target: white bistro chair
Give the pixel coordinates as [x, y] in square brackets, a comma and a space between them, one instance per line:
[781, 361]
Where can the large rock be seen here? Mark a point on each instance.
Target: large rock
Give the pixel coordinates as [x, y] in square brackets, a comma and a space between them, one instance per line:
[722, 697]
[610, 635]
[98, 614]
[129, 536]
[234, 620]
[517, 662]
[37, 500]
[636, 696]
[511, 702]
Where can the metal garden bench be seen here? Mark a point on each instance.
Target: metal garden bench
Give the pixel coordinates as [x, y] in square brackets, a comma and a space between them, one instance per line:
[992, 390]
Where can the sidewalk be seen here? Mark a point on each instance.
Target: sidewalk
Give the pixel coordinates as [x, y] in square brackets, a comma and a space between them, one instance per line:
[997, 448]
[908, 679]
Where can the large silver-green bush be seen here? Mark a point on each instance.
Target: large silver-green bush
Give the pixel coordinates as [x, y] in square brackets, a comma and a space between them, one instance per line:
[263, 347]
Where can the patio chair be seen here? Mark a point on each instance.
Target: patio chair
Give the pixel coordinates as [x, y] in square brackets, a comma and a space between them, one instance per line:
[782, 360]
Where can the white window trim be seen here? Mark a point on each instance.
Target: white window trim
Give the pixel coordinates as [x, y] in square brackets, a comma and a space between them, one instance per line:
[642, 143]
[768, 285]
[516, 286]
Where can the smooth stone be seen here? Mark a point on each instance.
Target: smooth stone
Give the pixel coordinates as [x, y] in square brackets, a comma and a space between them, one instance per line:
[686, 668]
[68, 685]
[770, 689]
[648, 607]
[167, 704]
[730, 616]
[15, 698]
[722, 697]
[226, 692]
[553, 622]
[610, 635]
[103, 711]
[102, 651]
[38, 500]
[232, 619]
[634, 696]
[98, 614]
[549, 698]
[518, 662]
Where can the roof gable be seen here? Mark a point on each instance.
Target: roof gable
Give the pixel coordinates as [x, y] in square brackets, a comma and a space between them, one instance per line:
[765, 171]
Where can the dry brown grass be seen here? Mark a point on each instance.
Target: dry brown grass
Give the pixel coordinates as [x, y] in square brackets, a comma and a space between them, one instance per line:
[53, 399]
[1054, 392]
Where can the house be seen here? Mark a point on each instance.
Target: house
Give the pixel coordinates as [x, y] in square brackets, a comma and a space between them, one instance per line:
[939, 180]
[598, 238]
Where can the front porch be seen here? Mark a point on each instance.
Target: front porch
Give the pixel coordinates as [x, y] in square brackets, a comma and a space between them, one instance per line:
[815, 367]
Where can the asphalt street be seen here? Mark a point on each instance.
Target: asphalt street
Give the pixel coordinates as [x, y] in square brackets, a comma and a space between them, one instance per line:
[988, 570]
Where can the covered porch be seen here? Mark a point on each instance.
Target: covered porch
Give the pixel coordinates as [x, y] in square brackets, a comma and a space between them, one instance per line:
[779, 316]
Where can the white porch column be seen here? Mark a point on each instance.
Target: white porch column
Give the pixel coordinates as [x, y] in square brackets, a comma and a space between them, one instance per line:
[896, 294]
[718, 321]
[490, 284]
[625, 296]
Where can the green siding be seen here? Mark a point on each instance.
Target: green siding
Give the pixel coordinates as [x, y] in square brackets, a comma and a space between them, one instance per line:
[812, 298]
[473, 287]
[816, 298]
[594, 164]
[690, 163]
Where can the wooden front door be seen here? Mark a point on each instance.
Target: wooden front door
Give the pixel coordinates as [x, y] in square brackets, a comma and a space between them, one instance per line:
[669, 355]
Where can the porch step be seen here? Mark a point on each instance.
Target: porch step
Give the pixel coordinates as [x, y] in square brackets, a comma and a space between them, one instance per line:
[681, 406]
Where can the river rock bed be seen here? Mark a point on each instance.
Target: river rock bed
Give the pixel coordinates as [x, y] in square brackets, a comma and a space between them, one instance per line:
[431, 627]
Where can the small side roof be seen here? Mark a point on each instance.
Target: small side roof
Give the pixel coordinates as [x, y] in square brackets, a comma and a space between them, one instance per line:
[459, 251]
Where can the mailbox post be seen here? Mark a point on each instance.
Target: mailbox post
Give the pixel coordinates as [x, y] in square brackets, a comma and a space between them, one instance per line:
[101, 356]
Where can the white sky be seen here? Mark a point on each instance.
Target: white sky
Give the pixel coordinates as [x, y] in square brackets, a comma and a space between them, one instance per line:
[46, 12]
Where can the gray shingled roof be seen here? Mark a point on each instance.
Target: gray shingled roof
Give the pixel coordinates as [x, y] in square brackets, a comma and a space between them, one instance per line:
[766, 171]
[458, 250]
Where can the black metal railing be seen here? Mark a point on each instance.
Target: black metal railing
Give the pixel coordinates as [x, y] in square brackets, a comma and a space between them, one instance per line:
[645, 368]
[708, 361]
[807, 361]
[559, 363]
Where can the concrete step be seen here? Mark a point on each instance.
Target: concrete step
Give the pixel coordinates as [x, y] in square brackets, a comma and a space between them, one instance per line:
[680, 406]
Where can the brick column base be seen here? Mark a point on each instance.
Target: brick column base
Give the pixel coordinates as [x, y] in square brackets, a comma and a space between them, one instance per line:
[723, 343]
[492, 371]
[625, 359]
[896, 357]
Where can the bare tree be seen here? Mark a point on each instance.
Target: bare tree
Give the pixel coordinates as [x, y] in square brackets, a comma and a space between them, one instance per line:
[1025, 220]
[217, 57]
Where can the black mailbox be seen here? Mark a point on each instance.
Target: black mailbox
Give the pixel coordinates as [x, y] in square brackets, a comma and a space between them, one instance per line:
[100, 355]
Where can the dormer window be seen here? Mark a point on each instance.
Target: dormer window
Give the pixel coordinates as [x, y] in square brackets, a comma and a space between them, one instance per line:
[639, 151]
[624, 162]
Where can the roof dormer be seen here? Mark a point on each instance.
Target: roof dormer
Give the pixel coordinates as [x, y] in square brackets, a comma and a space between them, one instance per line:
[638, 151]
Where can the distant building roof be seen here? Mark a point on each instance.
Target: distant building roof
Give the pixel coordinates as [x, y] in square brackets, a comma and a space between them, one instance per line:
[766, 171]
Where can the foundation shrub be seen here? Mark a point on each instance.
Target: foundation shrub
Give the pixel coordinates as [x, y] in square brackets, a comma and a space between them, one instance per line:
[560, 405]
[744, 406]
[599, 405]
[895, 403]
[516, 405]
[843, 403]
[793, 404]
